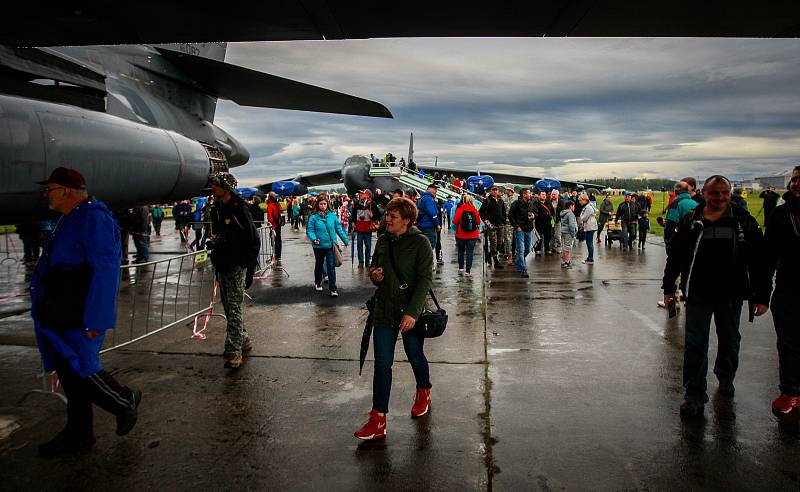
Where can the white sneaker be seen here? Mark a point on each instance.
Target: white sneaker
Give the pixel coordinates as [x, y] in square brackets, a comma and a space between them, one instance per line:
[334, 293]
[325, 279]
[469, 274]
[461, 271]
[317, 287]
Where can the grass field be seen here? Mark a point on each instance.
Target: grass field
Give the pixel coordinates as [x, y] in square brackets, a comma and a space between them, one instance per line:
[754, 205]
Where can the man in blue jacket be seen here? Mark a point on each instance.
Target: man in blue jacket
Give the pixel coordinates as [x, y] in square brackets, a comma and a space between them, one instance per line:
[73, 296]
[428, 220]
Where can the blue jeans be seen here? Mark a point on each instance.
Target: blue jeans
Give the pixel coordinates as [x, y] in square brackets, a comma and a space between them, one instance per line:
[523, 241]
[324, 256]
[590, 245]
[364, 246]
[727, 314]
[384, 339]
[431, 235]
[465, 247]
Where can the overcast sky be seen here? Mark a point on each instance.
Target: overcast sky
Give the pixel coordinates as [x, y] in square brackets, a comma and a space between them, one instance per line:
[563, 108]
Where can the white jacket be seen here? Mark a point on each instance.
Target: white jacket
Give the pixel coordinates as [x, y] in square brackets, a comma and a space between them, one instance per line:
[588, 221]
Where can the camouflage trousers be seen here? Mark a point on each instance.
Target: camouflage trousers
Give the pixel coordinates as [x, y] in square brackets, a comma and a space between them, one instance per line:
[231, 292]
[496, 238]
[508, 237]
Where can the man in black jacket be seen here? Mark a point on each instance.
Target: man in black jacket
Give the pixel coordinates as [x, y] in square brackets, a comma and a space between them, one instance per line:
[521, 219]
[628, 213]
[719, 253]
[783, 246]
[493, 214]
[235, 247]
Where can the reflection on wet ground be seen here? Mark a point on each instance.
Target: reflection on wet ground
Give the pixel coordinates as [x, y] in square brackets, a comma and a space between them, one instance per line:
[568, 380]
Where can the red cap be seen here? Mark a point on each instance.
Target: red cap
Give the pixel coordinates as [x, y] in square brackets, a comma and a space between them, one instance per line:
[69, 178]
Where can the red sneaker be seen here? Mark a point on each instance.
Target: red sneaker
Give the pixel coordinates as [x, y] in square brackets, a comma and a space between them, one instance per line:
[374, 428]
[785, 403]
[421, 403]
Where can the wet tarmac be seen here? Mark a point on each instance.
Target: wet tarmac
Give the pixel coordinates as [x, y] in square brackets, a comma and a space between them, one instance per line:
[569, 380]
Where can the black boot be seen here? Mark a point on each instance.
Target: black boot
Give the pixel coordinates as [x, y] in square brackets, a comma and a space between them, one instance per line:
[127, 419]
[497, 263]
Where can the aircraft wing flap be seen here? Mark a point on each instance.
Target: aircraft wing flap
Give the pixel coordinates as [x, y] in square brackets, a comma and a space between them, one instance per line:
[252, 88]
[47, 64]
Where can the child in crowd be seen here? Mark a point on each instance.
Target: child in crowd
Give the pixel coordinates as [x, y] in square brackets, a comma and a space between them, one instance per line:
[569, 230]
[644, 226]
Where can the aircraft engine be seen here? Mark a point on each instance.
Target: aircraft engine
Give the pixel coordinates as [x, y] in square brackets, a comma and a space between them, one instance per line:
[125, 164]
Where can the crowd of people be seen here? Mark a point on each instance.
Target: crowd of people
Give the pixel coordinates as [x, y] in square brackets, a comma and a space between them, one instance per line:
[717, 259]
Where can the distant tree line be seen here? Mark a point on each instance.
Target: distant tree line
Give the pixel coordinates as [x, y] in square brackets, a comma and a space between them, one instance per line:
[635, 183]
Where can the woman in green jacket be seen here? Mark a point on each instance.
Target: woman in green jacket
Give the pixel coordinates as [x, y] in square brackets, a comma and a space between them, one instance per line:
[398, 304]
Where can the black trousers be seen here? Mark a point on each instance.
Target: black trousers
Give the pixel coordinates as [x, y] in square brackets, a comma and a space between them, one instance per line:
[545, 235]
[99, 388]
[785, 313]
[278, 243]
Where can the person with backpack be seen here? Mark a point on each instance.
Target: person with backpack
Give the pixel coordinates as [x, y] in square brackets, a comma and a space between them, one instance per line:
[466, 219]
[234, 248]
[158, 216]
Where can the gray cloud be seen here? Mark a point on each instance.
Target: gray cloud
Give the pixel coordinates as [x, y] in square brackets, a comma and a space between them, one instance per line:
[566, 107]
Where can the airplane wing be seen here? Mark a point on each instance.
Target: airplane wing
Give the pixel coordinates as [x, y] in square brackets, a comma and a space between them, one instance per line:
[320, 178]
[505, 177]
[95, 22]
[252, 88]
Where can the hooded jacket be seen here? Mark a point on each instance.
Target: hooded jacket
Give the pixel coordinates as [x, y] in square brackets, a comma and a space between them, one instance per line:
[414, 258]
[80, 265]
[680, 207]
[783, 245]
[750, 276]
[588, 218]
[569, 224]
[428, 217]
[325, 227]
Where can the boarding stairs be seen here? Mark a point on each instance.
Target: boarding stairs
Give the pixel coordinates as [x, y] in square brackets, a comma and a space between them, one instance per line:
[412, 180]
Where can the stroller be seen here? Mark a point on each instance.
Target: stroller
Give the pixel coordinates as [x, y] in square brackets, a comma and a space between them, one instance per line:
[613, 232]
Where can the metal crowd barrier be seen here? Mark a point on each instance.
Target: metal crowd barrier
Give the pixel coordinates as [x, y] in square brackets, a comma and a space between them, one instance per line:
[267, 265]
[157, 295]
[153, 297]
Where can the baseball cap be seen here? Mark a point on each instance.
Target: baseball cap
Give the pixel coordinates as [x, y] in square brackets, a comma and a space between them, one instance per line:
[433, 185]
[66, 177]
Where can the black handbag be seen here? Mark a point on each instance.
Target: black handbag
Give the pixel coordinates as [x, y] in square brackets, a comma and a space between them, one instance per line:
[430, 324]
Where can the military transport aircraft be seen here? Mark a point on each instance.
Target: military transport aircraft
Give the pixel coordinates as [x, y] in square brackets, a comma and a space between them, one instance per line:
[137, 121]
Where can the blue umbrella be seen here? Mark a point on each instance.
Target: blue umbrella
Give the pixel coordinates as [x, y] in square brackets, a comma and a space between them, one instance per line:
[547, 185]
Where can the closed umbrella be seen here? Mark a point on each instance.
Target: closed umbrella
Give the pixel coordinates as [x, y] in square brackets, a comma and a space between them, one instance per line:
[362, 356]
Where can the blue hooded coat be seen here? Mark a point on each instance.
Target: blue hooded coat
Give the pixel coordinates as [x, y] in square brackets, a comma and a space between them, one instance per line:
[87, 236]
